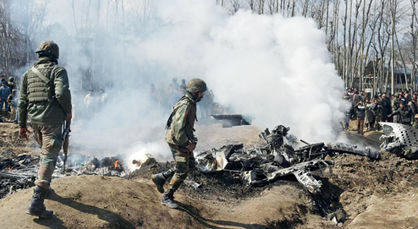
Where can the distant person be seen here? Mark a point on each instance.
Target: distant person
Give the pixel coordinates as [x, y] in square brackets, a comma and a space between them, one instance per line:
[406, 116]
[357, 98]
[398, 99]
[361, 114]
[412, 104]
[181, 140]
[11, 83]
[174, 91]
[386, 108]
[378, 112]
[45, 100]
[183, 86]
[415, 125]
[4, 94]
[370, 115]
[13, 102]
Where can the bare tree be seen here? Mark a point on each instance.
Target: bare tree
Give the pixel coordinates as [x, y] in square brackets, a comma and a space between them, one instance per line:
[414, 41]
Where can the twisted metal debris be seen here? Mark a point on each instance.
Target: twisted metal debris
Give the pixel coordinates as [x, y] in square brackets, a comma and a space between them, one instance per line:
[399, 139]
[276, 158]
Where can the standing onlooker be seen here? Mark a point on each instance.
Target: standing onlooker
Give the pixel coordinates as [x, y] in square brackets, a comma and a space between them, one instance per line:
[11, 83]
[361, 113]
[405, 115]
[13, 101]
[415, 125]
[370, 116]
[386, 108]
[412, 104]
[4, 94]
[397, 100]
[378, 112]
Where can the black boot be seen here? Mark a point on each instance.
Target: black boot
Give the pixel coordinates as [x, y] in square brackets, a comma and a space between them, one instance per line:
[159, 180]
[168, 199]
[37, 207]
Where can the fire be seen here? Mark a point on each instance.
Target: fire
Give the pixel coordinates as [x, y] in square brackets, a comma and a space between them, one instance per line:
[10, 168]
[117, 164]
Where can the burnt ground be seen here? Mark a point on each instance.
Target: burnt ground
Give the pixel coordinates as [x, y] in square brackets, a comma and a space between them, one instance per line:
[357, 192]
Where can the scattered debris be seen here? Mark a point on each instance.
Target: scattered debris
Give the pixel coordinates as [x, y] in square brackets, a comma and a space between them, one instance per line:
[230, 120]
[400, 139]
[21, 171]
[148, 159]
[276, 159]
[17, 173]
[192, 184]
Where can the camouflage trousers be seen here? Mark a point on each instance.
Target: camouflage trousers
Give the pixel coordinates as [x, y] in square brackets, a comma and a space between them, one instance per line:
[181, 166]
[50, 140]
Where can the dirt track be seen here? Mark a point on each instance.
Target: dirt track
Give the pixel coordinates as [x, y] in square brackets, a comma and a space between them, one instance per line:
[373, 194]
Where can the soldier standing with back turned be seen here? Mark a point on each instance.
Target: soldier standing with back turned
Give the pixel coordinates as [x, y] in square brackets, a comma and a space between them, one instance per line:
[181, 140]
[45, 100]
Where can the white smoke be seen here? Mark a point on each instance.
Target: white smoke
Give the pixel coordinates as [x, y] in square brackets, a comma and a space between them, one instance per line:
[275, 70]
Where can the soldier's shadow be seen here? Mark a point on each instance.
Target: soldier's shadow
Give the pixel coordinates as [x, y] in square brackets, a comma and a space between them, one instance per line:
[53, 222]
[114, 220]
[214, 224]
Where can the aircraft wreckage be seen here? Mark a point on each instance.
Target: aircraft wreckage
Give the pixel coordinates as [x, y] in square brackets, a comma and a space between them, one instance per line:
[276, 159]
[399, 139]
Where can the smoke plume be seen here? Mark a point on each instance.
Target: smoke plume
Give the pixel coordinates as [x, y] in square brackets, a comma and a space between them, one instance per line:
[276, 70]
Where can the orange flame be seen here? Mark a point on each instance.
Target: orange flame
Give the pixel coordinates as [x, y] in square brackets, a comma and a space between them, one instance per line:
[117, 164]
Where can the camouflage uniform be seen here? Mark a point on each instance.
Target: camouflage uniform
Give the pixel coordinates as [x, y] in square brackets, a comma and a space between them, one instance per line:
[46, 106]
[179, 137]
[45, 100]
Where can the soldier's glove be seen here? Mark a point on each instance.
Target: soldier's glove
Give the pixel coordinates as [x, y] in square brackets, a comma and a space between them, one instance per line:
[23, 133]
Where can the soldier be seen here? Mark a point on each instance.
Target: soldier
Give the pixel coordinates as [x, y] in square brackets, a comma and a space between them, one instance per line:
[45, 100]
[181, 140]
[405, 115]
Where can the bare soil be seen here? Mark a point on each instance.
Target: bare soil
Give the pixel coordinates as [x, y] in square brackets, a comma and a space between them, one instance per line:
[371, 194]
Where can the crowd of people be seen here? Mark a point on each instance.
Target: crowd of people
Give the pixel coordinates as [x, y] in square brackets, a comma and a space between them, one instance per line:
[402, 107]
[8, 98]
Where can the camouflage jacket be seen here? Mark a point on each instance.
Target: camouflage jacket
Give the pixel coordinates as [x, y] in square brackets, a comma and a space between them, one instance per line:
[180, 125]
[44, 103]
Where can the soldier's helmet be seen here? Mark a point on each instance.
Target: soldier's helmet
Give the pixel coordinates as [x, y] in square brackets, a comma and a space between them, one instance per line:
[48, 48]
[196, 85]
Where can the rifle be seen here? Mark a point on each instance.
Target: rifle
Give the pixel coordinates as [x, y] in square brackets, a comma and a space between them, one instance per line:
[66, 138]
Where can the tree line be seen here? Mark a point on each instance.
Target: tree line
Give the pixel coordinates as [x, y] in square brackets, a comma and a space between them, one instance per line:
[373, 42]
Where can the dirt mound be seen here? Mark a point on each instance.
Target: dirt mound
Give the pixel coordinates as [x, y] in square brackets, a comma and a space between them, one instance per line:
[398, 211]
[111, 202]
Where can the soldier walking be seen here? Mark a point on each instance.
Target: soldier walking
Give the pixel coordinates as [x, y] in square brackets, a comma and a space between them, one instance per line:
[181, 140]
[45, 100]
